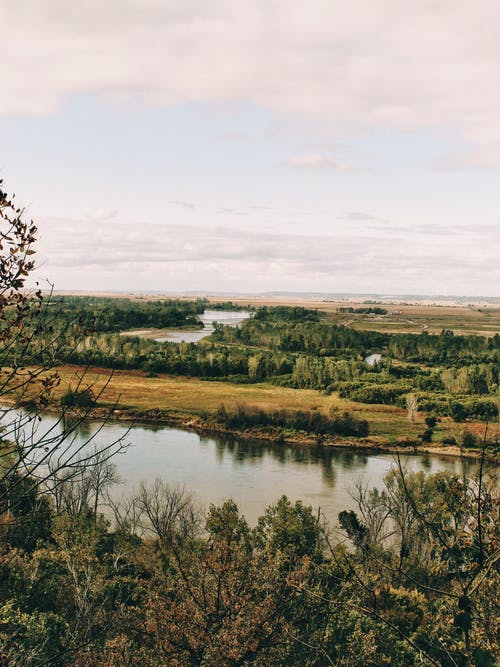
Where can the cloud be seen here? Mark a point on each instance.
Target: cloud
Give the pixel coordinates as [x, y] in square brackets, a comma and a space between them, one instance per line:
[101, 214]
[183, 204]
[389, 63]
[359, 216]
[234, 136]
[483, 156]
[231, 211]
[316, 161]
[120, 256]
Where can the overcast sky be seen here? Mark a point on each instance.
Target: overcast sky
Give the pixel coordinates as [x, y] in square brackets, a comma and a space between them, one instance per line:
[256, 145]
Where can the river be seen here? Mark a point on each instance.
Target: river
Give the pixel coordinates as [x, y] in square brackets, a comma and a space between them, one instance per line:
[227, 317]
[253, 474]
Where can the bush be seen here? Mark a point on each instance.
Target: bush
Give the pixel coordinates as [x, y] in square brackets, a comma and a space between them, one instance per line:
[482, 408]
[343, 424]
[431, 421]
[476, 408]
[457, 411]
[83, 398]
[427, 435]
[468, 440]
[387, 393]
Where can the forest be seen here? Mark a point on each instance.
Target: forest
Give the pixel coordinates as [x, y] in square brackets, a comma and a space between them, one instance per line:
[409, 578]
[90, 577]
[106, 314]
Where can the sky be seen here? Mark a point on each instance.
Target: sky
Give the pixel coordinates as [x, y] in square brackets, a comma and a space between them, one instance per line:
[256, 145]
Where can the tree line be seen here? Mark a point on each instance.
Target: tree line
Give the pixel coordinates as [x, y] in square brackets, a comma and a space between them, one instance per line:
[242, 417]
[106, 314]
[449, 375]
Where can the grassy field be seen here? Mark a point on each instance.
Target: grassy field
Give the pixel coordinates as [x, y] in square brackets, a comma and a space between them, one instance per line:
[190, 396]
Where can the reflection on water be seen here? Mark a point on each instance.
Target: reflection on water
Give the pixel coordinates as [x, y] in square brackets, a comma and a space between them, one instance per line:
[244, 453]
[81, 428]
[253, 474]
[227, 317]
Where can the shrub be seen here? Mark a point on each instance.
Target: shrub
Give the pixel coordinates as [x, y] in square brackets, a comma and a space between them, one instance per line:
[344, 424]
[427, 435]
[431, 421]
[468, 440]
[83, 398]
[476, 408]
[482, 408]
[457, 411]
[373, 393]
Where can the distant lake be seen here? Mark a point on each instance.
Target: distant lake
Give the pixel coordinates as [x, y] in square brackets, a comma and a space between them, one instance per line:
[230, 318]
[253, 474]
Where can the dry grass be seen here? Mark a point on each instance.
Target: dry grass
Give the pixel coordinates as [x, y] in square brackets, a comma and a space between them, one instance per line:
[135, 389]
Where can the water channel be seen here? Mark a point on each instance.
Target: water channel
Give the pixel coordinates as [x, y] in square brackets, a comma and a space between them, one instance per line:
[253, 474]
[225, 317]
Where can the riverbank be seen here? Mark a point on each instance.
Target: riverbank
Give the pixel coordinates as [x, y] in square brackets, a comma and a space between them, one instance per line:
[204, 427]
[191, 404]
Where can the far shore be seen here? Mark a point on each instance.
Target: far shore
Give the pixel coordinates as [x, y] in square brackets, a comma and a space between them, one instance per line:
[196, 424]
[191, 403]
